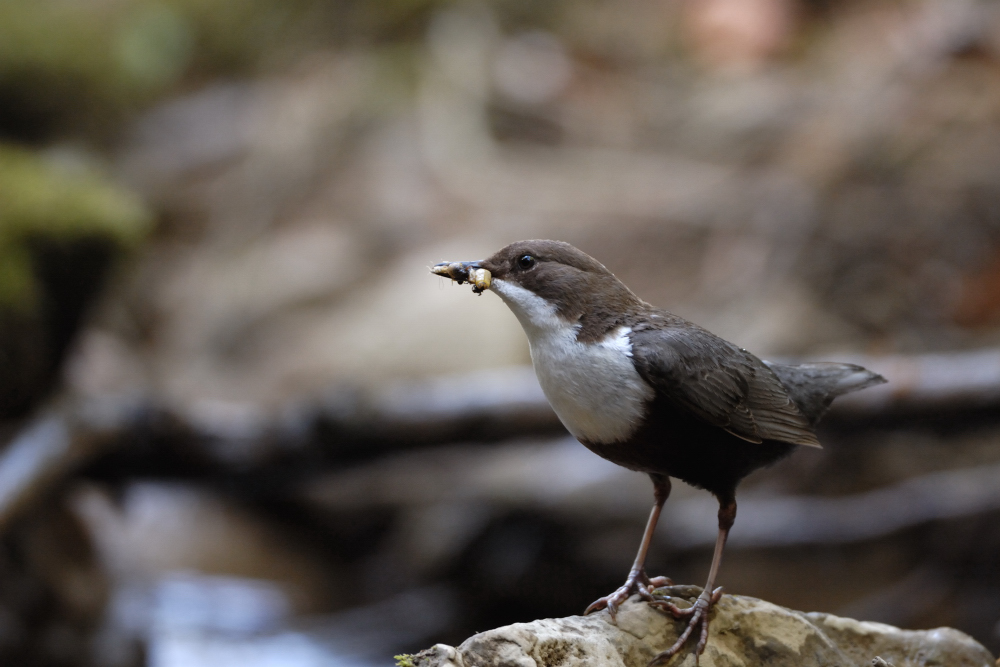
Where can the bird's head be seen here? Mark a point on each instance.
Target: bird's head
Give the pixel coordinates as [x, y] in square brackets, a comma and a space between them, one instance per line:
[547, 284]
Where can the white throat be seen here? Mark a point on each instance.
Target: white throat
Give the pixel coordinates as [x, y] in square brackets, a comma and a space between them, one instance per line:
[593, 387]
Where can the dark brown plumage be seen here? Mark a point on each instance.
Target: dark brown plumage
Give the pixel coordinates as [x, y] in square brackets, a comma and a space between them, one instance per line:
[650, 391]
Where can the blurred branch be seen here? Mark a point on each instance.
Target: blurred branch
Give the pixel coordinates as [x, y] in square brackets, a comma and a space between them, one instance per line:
[65, 436]
[587, 489]
[347, 427]
[485, 405]
[955, 380]
[948, 381]
[799, 520]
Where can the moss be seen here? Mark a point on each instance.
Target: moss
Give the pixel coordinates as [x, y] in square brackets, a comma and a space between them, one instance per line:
[43, 200]
[403, 660]
[115, 58]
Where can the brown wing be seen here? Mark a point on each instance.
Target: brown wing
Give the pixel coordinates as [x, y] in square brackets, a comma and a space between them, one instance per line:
[719, 382]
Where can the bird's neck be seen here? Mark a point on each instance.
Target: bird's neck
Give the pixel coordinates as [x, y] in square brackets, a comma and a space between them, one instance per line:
[590, 316]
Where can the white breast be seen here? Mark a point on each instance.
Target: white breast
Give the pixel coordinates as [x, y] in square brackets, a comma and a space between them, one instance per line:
[593, 387]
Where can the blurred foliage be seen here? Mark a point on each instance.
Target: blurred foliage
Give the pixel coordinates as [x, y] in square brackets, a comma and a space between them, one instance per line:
[65, 202]
[81, 67]
[62, 225]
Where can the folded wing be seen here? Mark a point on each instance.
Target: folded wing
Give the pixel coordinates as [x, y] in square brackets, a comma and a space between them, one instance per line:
[719, 382]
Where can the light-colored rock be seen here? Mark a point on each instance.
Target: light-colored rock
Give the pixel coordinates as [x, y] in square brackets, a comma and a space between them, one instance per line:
[745, 632]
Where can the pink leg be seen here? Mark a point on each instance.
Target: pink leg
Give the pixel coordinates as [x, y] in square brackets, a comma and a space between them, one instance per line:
[698, 613]
[638, 581]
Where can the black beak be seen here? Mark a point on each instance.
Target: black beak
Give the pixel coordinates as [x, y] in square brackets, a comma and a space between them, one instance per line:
[457, 271]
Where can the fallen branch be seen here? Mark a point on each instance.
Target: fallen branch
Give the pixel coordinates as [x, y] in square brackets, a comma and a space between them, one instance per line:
[797, 520]
[508, 403]
[588, 489]
[63, 437]
[954, 381]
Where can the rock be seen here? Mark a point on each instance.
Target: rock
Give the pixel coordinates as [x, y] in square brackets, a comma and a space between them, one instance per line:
[745, 632]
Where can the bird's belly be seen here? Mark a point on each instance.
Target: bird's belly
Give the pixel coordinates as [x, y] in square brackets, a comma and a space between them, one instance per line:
[674, 442]
[593, 388]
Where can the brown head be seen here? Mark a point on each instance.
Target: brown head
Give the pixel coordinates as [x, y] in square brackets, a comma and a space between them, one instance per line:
[535, 277]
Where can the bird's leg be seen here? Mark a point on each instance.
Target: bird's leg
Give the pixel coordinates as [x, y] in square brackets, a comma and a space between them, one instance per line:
[698, 613]
[638, 581]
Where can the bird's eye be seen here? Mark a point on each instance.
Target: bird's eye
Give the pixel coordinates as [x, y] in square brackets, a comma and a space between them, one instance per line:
[525, 262]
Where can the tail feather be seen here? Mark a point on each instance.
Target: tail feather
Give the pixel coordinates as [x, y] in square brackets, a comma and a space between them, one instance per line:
[813, 386]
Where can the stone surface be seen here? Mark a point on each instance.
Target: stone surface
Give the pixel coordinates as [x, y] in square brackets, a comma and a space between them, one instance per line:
[745, 631]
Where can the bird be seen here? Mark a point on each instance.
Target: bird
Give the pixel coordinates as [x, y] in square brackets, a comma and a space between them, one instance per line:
[651, 391]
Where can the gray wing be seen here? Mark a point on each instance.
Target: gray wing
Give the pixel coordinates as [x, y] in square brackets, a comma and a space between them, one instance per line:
[813, 386]
[720, 383]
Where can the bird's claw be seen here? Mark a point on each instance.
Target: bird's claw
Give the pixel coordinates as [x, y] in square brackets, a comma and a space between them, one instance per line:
[698, 619]
[637, 582]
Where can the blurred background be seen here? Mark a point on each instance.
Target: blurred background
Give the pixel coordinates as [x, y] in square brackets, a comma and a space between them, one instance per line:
[242, 424]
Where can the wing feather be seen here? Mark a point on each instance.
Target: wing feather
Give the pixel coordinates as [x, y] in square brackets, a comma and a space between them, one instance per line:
[719, 382]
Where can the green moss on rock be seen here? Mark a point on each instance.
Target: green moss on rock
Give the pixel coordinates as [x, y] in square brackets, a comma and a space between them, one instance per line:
[42, 200]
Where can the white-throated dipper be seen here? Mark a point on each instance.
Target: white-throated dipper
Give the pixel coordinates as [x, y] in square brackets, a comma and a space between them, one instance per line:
[652, 392]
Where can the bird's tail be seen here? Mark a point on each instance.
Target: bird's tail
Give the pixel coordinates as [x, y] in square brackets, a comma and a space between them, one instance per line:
[813, 386]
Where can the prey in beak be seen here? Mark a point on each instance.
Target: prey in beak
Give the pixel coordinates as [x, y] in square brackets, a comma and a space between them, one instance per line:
[465, 272]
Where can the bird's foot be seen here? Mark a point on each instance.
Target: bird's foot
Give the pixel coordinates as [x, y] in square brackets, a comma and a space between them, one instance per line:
[697, 616]
[638, 582]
